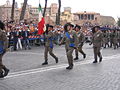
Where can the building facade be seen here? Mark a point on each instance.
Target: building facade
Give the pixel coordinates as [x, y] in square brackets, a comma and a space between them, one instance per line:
[67, 16]
[92, 18]
[32, 14]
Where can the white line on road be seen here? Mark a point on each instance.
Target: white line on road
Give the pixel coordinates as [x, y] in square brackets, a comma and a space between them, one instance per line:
[26, 53]
[44, 69]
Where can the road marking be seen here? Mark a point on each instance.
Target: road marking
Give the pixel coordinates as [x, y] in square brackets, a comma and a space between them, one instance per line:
[44, 69]
[26, 53]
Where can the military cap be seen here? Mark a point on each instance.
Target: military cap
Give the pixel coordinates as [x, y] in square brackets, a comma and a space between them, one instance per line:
[78, 26]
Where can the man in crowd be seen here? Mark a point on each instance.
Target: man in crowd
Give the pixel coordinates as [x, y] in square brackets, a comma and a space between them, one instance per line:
[25, 35]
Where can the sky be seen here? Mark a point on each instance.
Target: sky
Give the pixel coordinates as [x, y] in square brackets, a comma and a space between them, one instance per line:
[104, 7]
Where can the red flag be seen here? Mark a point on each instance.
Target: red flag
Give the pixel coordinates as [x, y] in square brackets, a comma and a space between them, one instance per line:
[41, 24]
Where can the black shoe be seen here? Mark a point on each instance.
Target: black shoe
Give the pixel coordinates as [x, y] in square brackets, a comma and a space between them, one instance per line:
[76, 58]
[100, 59]
[94, 61]
[45, 63]
[6, 71]
[56, 60]
[69, 67]
[1, 75]
[84, 56]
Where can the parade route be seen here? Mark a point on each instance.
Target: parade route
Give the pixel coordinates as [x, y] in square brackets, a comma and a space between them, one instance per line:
[56, 67]
[84, 76]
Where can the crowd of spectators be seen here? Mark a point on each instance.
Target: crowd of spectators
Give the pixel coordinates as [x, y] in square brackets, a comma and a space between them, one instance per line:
[24, 35]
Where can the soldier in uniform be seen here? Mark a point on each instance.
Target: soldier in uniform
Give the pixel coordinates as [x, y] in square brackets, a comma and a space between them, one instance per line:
[81, 39]
[3, 48]
[97, 41]
[70, 40]
[49, 40]
[111, 38]
[105, 39]
[115, 39]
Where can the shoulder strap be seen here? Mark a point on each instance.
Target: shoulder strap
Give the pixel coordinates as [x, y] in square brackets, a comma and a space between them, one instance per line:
[68, 36]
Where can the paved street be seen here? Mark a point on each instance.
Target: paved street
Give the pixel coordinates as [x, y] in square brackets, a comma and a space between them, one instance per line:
[27, 73]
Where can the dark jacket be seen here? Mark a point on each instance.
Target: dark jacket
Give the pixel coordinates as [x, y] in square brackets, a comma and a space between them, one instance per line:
[25, 34]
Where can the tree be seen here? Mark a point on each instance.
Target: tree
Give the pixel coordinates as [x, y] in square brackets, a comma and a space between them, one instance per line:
[118, 22]
[12, 11]
[59, 11]
[45, 8]
[23, 10]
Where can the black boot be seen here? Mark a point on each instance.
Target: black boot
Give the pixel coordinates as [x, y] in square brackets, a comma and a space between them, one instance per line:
[76, 58]
[95, 61]
[6, 71]
[56, 60]
[1, 74]
[84, 56]
[45, 63]
[69, 67]
[100, 59]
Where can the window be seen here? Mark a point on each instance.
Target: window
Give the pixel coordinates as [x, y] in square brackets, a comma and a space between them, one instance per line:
[88, 16]
[85, 16]
[81, 16]
[92, 17]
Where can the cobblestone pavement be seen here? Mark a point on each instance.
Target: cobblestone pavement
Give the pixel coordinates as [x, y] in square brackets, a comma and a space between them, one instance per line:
[27, 73]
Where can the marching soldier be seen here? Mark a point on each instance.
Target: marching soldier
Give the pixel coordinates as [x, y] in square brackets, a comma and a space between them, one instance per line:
[49, 39]
[70, 40]
[105, 38]
[111, 38]
[115, 39]
[3, 48]
[97, 41]
[81, 39]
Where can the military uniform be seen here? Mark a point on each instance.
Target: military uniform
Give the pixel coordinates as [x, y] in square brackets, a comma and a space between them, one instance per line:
[3, 48]
[111, 38]
[115, 39]
[105, 39]
[68, 46]
[81, 39]
[97, 41]
[49, 40]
